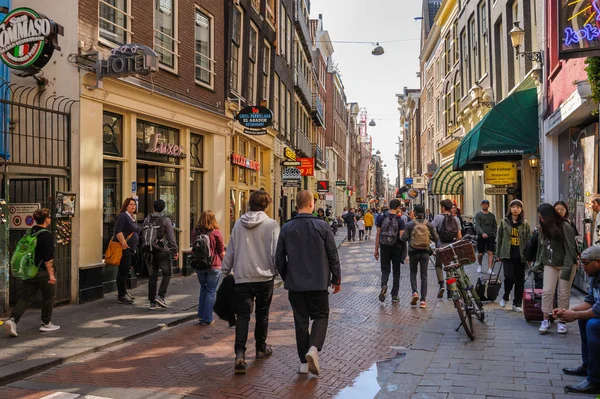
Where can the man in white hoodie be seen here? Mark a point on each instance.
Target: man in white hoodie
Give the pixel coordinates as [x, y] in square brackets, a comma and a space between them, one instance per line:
[250, 256]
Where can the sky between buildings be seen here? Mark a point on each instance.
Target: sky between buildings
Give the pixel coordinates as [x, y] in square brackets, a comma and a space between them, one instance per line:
[369, 80]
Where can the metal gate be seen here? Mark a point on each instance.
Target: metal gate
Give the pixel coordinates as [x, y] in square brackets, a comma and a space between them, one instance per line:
[35, 156]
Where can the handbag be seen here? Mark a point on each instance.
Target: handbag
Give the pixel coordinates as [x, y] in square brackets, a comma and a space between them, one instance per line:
[114, 252]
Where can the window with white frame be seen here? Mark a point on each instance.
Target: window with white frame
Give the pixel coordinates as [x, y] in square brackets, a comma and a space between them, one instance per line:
[282, 34]
[165, 32]
[252, 53]
[204, 48]
[276, 101]
[270, 11]
[236, 49]
[282, 112]
[114, 20]
[266, 67]
[288, 119]
[288, 46]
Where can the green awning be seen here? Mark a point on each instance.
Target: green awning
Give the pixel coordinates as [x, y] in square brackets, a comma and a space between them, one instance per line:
[445, 181]
[507, 132]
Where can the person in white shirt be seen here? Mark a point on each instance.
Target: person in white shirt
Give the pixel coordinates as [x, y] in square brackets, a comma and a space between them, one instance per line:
[361, 228]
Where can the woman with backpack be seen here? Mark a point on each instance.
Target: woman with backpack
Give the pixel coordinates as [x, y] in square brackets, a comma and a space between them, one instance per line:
[513, 235]
[127, 231]
[209, 277]
[556, 255]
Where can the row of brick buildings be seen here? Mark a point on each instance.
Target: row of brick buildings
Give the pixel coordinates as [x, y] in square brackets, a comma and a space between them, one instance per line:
[503, 81]
[139, 98]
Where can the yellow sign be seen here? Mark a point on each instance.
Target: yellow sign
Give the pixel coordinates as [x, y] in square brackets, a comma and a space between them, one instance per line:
[499, 173]
[290, 154]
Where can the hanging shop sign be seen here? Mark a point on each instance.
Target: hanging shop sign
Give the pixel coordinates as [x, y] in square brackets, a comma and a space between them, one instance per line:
[340, 183]
[500, 190]
[28, 40]
[291, 177]
[323, 186]
[413, 193]
[579, 34]
[254, 117]
[290, 154]
[307, 166]
[408, 180]
[292, 163]
[244, 162]
[253, 132]
[159, 147]
[329, 197]
[499, 173]
[21, 215]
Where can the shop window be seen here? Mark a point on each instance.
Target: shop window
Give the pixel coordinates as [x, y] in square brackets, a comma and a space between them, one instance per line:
[196, 198]
[197, 151]
[168, 191]
[165, 35]
[114, 21]
[243, 204]
[112, 134]
[253, 178]
[149, 134]
[111, 199]
[204, 48]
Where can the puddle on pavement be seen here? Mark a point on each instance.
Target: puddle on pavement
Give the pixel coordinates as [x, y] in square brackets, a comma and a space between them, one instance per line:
[368, 383]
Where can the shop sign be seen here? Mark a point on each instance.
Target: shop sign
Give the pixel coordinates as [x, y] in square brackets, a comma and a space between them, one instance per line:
[289, 154]
[340, 183]
[255, 117]
[244, 162]
[291, 177]
[27, 40]
[21, 215]
[307, 166]
[499, 173]
[578, 30]
[291, 163]
[323, 186]
[500, 190]
[126, 60]
[252, 132]
[168, 149]
[413, 193]
[329, 197]
[408, 180]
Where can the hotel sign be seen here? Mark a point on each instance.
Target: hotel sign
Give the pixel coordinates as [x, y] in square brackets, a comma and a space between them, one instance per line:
[128, 59]
[579, 28]
[499, 173]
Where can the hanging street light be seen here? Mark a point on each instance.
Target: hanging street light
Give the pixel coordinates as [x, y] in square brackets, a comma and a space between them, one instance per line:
[517, 37]
[378, 50]
[372, 123]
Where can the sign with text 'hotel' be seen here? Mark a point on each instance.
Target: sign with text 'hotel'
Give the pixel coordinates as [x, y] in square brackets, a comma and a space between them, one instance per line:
[579, 28]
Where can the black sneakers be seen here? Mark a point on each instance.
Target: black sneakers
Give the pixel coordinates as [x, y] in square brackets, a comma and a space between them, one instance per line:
[441, 292]
[264, 353]
[383, 293]
[240, 363]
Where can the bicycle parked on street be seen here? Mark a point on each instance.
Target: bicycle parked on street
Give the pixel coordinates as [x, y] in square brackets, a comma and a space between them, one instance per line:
[466, 301]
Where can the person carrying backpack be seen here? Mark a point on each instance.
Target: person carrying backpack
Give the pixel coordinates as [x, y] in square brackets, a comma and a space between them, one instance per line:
[208, 251]
[44, 280]
[390, 228]
[159, 242]
[448, 230]
[419, 233]
[350, 220]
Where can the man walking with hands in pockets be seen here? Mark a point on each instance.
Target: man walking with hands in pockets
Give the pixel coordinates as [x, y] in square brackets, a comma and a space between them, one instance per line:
[307, 261]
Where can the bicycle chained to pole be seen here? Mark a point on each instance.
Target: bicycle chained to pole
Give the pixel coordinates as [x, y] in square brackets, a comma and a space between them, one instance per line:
[453, 258]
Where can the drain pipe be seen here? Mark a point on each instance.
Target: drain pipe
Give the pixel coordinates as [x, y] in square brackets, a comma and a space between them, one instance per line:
[545, 74]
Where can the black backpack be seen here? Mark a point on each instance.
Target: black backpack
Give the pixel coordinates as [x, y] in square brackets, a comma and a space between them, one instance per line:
[390, 231]
[448, 230]
[153, 233]
[531, 248]
[202, 256]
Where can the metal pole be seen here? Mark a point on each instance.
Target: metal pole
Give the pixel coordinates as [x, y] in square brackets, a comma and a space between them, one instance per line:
[4, 255]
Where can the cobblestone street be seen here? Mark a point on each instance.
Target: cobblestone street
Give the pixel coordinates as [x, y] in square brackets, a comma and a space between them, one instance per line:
[196, 361]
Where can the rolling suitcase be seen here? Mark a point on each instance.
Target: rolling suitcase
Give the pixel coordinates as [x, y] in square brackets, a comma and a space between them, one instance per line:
[532, 301]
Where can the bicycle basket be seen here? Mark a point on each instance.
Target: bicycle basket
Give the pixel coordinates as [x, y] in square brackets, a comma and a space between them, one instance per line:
[462, 251]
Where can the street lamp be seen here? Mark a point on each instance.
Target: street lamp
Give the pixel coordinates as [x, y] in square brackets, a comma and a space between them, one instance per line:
[517, 37]
[534, 161]
[378, 50]
[372, 123]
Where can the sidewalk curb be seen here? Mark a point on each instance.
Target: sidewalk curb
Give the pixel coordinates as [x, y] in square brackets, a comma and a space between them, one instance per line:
[16, 373]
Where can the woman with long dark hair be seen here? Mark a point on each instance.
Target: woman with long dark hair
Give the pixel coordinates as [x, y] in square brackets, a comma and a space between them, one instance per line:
[563, 210]
[556, 256]
[513, 235]
[127, 231]
[208, 279]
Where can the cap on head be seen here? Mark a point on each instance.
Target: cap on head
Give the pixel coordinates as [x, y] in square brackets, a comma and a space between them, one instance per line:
[516, 202]
[485, 202]
[419, 209]
[591, 253]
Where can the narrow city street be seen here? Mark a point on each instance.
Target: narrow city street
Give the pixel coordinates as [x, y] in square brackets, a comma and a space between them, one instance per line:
[194, 361]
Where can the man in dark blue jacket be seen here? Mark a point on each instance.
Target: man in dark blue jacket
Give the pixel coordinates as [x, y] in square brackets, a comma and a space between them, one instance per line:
[307, 261]
[587, 315]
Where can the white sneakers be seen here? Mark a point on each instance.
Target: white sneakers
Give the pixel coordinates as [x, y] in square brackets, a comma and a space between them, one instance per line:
[562, 328]
[303, 368]
[517, 309]
[502, 303]
[49, 327]
[544, 327]
[11, 328]
[478, 268]
[491, 272]
[312, 357]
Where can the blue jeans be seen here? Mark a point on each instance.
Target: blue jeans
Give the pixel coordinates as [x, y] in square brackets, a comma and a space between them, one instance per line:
[208, 292]
[590, 347]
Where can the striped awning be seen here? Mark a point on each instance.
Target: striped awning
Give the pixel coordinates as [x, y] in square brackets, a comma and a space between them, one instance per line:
[445, 181]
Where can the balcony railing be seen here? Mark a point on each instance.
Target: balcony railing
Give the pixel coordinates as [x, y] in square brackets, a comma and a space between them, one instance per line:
[302, 22]
[304, 144]
[318, 110]
[318, 155]
[301, 83]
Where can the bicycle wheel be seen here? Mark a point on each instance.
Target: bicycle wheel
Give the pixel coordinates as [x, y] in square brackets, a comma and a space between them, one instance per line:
[465, 317]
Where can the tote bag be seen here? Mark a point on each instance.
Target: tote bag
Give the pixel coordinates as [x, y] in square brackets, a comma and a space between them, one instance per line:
[114, 252]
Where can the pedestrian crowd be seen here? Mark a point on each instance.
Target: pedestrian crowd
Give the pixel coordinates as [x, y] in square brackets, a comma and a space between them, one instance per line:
[304, 254]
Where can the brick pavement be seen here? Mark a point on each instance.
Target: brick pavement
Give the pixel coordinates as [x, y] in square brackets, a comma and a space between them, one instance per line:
[196, 361]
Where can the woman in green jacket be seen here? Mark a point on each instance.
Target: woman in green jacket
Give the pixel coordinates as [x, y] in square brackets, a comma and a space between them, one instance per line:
[513, 234]
[556, 254]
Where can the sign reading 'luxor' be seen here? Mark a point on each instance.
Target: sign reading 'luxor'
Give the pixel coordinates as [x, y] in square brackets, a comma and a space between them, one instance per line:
[27, 40]
[579, 28]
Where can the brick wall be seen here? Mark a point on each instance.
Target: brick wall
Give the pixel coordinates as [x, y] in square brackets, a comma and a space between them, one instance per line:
[181, 85]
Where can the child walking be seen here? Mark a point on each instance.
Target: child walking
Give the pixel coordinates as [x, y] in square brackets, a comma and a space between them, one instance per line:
[361, 228]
